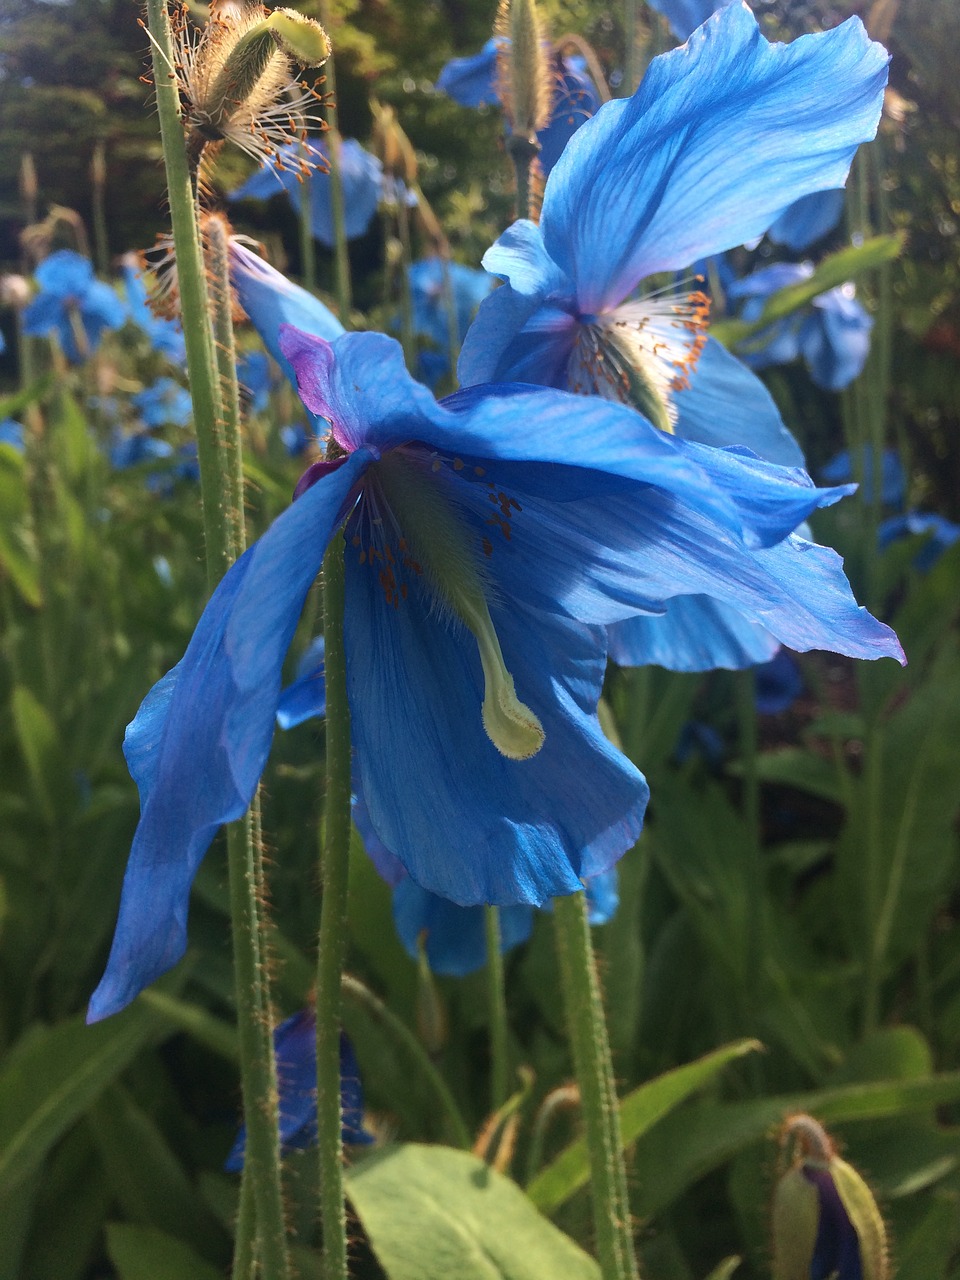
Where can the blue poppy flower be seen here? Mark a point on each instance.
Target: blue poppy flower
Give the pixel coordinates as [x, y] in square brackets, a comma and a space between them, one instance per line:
[893, 479]
[295, 1044]
[490, 539]
[165, 403]
[831, 334]
[684, 16]
[808, 220]
[12, 433]
[472, 81]
[939, 533]
[698, 740]
[778, 684]
[253, 374]
[166, 336]
[132, 450]
[468, 286]
[71, 303]
[362, 176]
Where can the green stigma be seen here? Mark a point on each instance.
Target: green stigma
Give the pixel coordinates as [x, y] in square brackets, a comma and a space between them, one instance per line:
[441, 547]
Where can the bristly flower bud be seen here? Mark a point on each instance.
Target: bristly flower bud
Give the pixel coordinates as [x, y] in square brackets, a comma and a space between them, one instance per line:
[523, 67]
[825, 1219]
[236, 77]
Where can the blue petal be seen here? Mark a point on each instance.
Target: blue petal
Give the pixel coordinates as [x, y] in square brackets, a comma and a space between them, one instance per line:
[808, 220]
[721, 136]
[306, 697]
[472, 81]
[65, 273]
[835, 340]
[893, 480]
[465, 821]
[198, 745]
[468, 288]
[685, 16]
[575, 101]
[603, 896]
[295, 1044]
[777, 684]
[726, 404]
[695, 633]
[456, 940]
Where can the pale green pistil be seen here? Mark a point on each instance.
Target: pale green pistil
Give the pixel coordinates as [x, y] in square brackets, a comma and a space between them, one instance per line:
[440, 545]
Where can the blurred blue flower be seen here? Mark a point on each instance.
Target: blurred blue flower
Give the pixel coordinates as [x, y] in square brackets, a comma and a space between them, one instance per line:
[472, 81]
[490, 539]
[893, 480]
[940, 535]
[685, 16]
[698, 740]
[296, 439]
[778, 684]
[253, 374]
[132, 450]
[831, 333]
[12, 433]
[362, 175]
[165, 403]
[468, 286]
[808, 220]
[72, 304]
[295, 1044]
[166, 336]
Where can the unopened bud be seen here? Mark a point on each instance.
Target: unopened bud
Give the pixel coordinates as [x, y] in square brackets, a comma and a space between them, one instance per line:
[523, 66]
[825, 1219]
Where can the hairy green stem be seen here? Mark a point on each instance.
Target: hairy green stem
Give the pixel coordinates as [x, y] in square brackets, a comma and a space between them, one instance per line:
[341, 256]
[223, 533]
[497, 998]
[333, 911]
[371, 1004]
[523, 152]
[591, 1055]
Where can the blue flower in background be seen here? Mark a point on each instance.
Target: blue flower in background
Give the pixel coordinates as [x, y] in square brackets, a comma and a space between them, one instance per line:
[468, 286]
[808, 220]
[472, 81]
[253, 374]
[831, 333]
[940, 535]
[778, 684]
[166, 336]
[12, 433]
[362, 175]
[132, 450]
[685, 16]
[506, 524]
[893, 480]
[295, 1044]
[296, 438]
[73, 304]
[165, 403]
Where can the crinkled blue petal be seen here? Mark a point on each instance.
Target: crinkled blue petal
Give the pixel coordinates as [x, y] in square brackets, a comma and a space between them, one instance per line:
[695, 633]
[835, 339]
[721, 136]
[472, 81]
[295, 1044]
[726, 404]
[198, 744]
[455, 937]
[808, 220]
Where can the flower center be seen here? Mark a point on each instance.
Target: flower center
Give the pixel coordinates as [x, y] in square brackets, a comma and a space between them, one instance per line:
[642, 353]
[434, 543]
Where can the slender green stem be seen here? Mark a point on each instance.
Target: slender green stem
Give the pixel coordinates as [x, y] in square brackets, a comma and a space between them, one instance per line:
[497, 996]
[333, 911]
[450, 308]
[365, 999]
[523, 152]
[245, 1232]
[223, 532]
[407, 338]
[98, 198]
[218, 276]
[341, 255]
[591, 1055]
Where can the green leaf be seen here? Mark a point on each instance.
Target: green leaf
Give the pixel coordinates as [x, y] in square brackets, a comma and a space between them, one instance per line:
[37, 736]
[433, 1212]
[639, 1112]
[53, 1075]
[12, 406]
[803, 770]
[144, 1253]
[834, 270]
[17, 552]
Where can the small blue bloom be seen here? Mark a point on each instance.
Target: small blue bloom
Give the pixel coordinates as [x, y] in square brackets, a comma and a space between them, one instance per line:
[468, 286]
[71, 301]
[831, 334]
[939, 533]
[12, 433]
[165, 403]
[132, 450]
[778, 684]
[893, 480]
[808, 220]
[166, 336]
[472, 81]
[685, 16]
[362, 176]
[253, 374]
[490, 540]
[295, 1044]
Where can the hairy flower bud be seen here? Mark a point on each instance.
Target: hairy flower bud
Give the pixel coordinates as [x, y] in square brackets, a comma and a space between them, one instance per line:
[825, 1219]
[523, 65]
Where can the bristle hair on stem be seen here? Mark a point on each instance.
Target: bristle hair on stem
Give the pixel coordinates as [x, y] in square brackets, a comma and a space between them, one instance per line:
[523, 66]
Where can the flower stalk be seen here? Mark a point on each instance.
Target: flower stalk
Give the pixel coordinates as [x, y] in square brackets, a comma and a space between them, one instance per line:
[496, 991]
[334, 871]
[223, 532]
[594, 1069]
